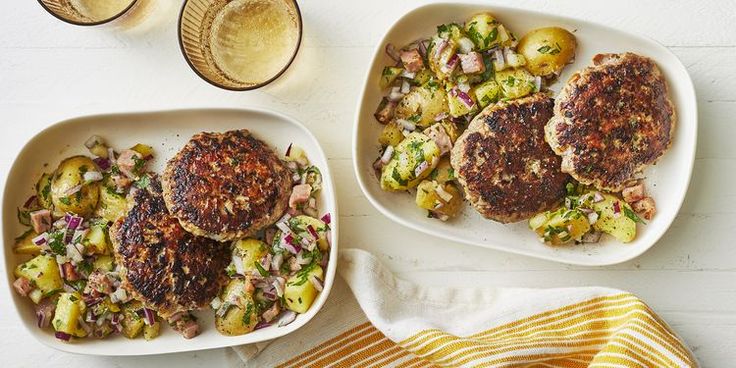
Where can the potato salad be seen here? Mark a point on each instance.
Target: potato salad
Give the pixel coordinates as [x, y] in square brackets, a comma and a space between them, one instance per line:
[437, 85]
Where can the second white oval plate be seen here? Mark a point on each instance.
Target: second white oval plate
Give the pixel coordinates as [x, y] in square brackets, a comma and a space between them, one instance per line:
[667, 181]
[166, 132]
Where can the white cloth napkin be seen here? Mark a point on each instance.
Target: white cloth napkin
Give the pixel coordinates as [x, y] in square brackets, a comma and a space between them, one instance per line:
[395, 323]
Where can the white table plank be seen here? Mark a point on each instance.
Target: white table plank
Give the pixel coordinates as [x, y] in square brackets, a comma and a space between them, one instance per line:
[51, 71]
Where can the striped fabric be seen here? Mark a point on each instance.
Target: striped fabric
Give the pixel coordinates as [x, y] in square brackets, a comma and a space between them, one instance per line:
[413, 326]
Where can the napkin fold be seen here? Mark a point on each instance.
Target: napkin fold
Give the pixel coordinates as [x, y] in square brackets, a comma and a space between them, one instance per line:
[387, 322]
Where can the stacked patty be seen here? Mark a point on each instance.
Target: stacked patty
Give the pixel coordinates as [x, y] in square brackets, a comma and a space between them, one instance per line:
[612, 120]
[167, 268]
[508, 171]
[226, 186]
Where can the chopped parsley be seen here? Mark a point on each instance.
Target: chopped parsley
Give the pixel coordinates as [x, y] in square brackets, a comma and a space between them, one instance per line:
[65, 200]
[143, 182]
[546, 49]
[260, 269]
[632, 215]
[56, 242]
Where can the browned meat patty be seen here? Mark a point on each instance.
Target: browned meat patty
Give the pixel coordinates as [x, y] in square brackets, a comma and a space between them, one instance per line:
[507, 169]
[226, 186]
[162, 265]
[612, 120]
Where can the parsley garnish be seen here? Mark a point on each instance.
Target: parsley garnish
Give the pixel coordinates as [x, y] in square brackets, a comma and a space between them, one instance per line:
[260, 269]
[56, 242]
[65, 200]
[632, 215]
[546, 49]
[143, 182]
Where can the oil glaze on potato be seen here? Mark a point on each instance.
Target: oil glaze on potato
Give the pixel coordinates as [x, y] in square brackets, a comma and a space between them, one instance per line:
[68, 175]
[547, 50]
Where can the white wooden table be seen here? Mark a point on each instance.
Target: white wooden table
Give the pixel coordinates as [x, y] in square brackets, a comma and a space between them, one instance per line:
[50, 71]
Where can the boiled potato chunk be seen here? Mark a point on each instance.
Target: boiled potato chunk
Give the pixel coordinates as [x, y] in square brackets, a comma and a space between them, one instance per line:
[299, 292]
[69, 308]
[300, 226]
[112, 205]
[68, 175]
[151, 332]
[242, 316]
[403, 170]
[515, 83]
[43, 272]
[614, 217]
[24, 244]
[560, 226]
[391, 134]
[441, 199]
[486, 32]
[103, 263]
[547, 50]
[443, 172]
[132, 322]
[43, 191]
[95, 242]
[421, 105]
[250, 251]
[389, 75]
[487, 93]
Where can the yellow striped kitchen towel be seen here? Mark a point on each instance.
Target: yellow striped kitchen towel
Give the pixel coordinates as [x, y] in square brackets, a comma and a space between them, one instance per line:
[388, 322]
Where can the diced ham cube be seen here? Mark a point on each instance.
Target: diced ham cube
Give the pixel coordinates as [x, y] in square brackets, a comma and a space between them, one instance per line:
[299, 194]
[645, 208]
[634, 193]
[41, 220]
[272, 312]
[70, 273]
[129, 163]
[23, 286]
[439, 136]
[189, 329]
[472, 62]
[121, 182]
[385, 111]
[412, 60]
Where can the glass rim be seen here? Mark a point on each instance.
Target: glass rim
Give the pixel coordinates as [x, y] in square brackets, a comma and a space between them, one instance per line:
[247, 88]
[84, 24]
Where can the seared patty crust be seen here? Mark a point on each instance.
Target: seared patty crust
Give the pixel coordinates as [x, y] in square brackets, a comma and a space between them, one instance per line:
[612, 120]
[508, 171]
[162, 265]
[226, 186]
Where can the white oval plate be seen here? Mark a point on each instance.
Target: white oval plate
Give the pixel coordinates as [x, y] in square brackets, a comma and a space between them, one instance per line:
[167, 132]
[667, 181]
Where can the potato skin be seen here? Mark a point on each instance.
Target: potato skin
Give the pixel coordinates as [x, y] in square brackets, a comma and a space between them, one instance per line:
[547, 50]
[238, 320]
[68, 175]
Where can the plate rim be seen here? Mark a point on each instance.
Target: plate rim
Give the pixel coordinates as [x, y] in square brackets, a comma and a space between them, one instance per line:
[78, 348]
[687, 83]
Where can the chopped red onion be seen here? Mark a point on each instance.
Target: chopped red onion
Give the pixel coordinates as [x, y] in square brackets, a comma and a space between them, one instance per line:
[261, 324]
[441, 116]
[283, 227]
[270, 296]
[616, 208]
[395, 94]
[73, 190]
[302, 260]
[537, 83]
[148, 317]
[287, 318]
[451, 64]
[288, 149]
[289, 244]
[465, 87]
[325, 260]
[317, 282]
[30, 201]
[238, 263]
[597, 197]
[405, 87]
[422, 167]
[326, 218]
[84, 325]
[41, 239]
[62, 336]
[592, 217]
[392, 52]
[312, 231]
[276, 261]
[73, 222]
[406, 124]
[465, 99]
[111, 154]
[102, 163]
[278, 286]
[387, 154]
[440, 47]
[92, 176]
[409, 75]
